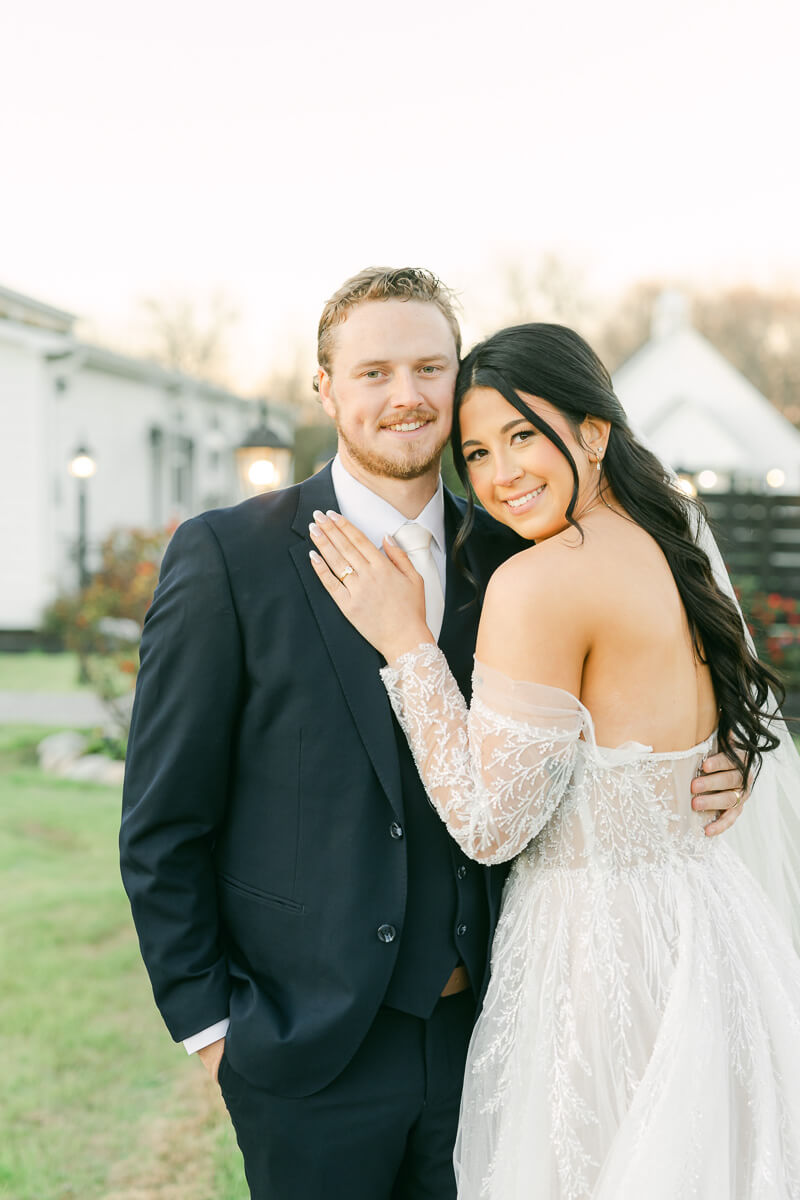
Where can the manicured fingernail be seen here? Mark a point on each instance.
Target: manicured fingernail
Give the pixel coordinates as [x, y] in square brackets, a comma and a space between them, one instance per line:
[334, 516]
[319, 516]
[312, 529]
[315, 558]
[387, 537]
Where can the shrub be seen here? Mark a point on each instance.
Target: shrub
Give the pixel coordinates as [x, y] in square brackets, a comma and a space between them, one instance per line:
[774, 622]
[102, 622]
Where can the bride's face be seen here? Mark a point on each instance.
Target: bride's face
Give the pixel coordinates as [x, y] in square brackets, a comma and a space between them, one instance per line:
[518, 474]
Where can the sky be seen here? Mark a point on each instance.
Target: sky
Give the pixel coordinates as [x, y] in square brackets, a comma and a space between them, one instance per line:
[181, 149]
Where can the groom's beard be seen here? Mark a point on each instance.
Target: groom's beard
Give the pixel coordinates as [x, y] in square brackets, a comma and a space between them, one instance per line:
[410, 461]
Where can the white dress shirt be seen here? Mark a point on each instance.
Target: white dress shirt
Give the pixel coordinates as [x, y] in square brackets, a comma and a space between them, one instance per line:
[374, 517]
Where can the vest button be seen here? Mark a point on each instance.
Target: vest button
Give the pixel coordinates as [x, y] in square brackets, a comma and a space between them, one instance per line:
[461, 930]
[461, 872]
[396, 830]
[387, 933]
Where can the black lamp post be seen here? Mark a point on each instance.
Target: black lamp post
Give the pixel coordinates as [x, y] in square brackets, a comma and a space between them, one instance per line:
[82, 467]
[264, 459]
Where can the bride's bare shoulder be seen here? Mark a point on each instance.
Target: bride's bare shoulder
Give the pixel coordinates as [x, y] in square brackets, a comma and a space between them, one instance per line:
[543, 569]
[538, 615]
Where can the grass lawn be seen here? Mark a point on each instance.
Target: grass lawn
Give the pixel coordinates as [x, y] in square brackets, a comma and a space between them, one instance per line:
[96, 1101]
[34, 671]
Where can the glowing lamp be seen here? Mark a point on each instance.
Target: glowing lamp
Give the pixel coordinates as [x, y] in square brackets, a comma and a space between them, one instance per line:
[82, 465]
[264, 459]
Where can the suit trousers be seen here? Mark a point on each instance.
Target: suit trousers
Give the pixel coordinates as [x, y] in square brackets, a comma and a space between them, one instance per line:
[384, 1129]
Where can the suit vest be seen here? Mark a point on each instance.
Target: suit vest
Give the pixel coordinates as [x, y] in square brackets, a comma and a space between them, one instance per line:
[447, 916]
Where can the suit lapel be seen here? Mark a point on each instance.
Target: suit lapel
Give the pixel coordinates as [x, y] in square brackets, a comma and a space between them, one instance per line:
[356, 662]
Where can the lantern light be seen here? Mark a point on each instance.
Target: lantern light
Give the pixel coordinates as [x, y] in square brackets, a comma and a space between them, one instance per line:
[262, 473]
[82, 465]
[264, 459]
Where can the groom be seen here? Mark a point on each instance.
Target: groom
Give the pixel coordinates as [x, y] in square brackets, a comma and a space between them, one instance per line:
[309, 928]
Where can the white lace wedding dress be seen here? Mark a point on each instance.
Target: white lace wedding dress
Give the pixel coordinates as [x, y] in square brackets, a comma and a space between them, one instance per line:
[640, 1039]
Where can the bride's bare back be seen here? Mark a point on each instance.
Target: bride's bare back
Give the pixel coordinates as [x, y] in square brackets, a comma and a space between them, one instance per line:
[602, 619]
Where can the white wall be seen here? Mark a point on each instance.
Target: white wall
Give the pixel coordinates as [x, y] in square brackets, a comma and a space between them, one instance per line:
[23, 495]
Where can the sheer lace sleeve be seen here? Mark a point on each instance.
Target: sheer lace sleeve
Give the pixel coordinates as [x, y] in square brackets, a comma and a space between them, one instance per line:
[496, 772]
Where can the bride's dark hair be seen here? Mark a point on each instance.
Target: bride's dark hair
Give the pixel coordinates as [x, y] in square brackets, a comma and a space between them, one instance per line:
[557, 365]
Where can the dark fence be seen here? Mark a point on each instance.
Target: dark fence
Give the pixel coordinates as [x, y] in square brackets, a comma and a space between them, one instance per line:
[759, 537]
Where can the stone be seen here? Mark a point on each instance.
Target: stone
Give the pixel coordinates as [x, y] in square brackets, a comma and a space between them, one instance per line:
[58, 750]
[95, 768]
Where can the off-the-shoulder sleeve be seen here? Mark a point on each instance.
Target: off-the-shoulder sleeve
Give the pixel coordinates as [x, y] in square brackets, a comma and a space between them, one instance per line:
[495, 773]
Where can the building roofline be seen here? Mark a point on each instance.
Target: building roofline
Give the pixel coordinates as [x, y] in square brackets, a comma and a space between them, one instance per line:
[24, 301]
[133, 367]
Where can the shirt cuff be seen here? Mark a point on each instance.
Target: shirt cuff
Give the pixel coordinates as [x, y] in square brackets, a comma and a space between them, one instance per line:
[206, 1036]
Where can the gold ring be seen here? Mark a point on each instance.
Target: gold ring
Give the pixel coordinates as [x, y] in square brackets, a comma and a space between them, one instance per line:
[738, 796]
[347, 571]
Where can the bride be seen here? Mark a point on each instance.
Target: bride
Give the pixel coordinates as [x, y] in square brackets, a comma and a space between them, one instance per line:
[641, 1031]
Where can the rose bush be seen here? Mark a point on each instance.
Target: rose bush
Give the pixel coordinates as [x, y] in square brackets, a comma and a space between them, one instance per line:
[774, 622]
[102, 622]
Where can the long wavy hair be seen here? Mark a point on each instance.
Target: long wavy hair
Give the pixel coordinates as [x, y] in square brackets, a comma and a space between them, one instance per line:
[555, 364]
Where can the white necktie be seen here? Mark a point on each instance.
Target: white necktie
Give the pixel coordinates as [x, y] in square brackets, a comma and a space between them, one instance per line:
[416, 541]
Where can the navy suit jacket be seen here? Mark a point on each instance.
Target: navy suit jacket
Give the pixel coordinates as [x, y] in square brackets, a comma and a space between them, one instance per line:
[261, 784]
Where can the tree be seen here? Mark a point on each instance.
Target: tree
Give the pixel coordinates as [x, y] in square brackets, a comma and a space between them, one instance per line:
[626, 326]
[547, 288]
[758, 331]
[190, 336]
[291, 385]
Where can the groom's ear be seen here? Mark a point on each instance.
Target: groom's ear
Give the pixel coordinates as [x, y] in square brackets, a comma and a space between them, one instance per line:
[326, 399]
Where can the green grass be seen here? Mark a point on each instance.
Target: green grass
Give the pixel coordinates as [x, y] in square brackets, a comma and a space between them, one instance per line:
[96, 1100]
[34, 671]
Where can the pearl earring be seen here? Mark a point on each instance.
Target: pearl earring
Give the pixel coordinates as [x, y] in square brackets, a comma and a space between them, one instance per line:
[598, 458]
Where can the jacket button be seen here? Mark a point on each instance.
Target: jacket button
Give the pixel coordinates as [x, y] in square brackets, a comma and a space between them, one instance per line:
[461, 930]
[387, 933]
[461, 872]
[396, 830]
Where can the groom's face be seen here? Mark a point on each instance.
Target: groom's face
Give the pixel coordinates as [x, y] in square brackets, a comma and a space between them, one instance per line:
[390, 387]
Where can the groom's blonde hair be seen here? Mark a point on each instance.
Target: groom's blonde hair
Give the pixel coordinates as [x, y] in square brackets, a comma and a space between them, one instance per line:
[382, 283]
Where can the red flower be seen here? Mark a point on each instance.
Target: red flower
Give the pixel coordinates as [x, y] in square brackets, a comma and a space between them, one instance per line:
[774, 649]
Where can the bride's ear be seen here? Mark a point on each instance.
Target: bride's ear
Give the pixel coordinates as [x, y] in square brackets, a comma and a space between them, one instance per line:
[594, 435]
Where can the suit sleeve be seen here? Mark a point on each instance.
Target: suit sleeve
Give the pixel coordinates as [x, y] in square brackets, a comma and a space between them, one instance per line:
[177, 779]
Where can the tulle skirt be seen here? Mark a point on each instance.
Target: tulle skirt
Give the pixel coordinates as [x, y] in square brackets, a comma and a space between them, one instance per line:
[640, 1040]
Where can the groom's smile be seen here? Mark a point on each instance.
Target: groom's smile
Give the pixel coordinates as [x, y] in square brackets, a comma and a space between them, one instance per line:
[410, 424]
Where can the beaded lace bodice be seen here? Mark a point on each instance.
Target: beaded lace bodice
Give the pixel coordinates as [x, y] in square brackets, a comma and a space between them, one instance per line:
[521, 771]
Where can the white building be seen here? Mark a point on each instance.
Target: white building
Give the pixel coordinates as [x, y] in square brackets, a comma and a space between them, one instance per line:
[700, 415]
[162, 443]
